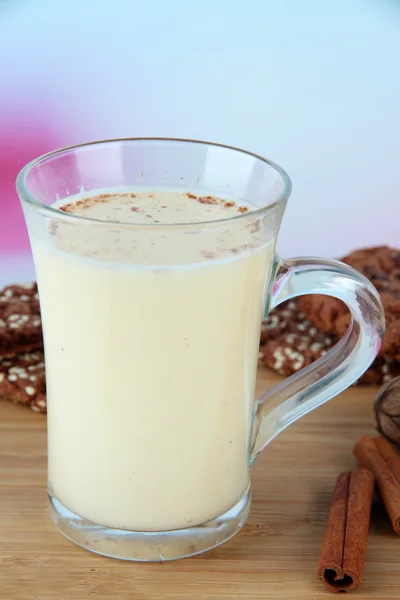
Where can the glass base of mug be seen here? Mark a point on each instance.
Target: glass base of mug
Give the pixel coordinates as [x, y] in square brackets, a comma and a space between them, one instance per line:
[154, 546]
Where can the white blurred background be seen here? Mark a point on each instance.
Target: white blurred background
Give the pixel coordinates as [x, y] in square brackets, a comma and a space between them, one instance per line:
[314, 85]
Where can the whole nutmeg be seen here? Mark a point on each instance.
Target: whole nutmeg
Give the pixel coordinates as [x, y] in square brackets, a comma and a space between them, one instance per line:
[387, 411]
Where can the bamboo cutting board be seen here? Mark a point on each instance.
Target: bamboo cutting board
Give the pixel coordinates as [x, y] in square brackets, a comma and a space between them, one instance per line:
[275, 556]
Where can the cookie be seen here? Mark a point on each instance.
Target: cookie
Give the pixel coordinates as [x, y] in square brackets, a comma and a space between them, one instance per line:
[22, 380]
[381, 265]
[287, 318]
[382, 370]
[289, 342]
[20, 322]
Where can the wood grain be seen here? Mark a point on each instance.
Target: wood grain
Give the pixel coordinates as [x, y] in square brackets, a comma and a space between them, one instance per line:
[275, 556]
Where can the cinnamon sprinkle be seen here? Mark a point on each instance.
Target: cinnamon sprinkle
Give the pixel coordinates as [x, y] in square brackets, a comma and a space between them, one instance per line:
[207, 200]
[208, 254]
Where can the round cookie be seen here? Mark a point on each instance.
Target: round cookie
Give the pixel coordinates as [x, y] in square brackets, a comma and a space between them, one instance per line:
[20, 322]
[381, 265]
[289, 342]
[288, 318]
[23, 381]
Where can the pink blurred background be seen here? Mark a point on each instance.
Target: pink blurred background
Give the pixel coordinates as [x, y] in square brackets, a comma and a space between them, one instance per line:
[311, 85]
[25, 135]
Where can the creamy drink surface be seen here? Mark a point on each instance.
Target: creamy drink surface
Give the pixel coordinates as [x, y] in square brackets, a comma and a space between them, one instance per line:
[151, 339]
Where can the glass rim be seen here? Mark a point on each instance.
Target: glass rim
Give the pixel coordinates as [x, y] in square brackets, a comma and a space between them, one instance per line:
[51, 211]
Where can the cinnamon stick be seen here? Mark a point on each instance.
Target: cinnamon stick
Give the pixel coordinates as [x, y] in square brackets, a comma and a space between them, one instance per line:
[343, 550]
[371, 455]
[389, 454]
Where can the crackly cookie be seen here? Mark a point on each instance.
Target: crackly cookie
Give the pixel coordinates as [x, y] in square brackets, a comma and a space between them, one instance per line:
[381, 265]
[20, 322]
[290, 341]
[22, 380]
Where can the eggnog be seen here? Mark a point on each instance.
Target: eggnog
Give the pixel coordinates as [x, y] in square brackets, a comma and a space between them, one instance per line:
[151, 338]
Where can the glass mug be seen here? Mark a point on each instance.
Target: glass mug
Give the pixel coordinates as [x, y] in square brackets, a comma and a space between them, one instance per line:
[151, 337]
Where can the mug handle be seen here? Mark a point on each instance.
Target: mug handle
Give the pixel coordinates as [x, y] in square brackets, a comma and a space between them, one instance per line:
[337, 369]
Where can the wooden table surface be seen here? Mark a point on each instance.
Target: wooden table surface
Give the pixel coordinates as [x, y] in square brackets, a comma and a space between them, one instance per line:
[275, 555]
